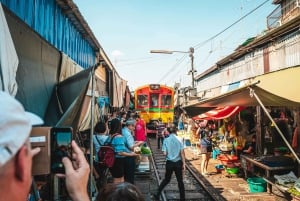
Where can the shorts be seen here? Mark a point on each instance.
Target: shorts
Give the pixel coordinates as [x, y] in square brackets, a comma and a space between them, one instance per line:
[117, 171]
[203, 149]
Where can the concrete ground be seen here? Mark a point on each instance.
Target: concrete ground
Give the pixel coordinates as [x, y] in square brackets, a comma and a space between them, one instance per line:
[232, 187]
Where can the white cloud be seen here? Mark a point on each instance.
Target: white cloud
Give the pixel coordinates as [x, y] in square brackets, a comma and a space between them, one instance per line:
[117, 53]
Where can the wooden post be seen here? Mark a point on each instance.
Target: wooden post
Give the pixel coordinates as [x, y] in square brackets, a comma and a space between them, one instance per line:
[259, 134]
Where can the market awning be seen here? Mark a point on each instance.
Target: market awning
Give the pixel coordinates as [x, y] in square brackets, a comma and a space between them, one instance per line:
[243, 97]
[219, 113]
[252, 95]
[193, 111]
[284, 83]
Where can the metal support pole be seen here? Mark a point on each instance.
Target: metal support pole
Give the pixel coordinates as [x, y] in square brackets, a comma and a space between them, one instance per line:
[192, 66]
[252, 93]
[92, 131]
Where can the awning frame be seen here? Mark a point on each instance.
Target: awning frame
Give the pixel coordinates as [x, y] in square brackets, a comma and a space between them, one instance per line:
[252, 93]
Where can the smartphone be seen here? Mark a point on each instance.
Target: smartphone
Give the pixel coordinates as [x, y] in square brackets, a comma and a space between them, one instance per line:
[61, 138]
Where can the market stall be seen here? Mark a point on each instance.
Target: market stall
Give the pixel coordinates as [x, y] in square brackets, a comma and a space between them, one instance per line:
[259, 98]
[269, 164]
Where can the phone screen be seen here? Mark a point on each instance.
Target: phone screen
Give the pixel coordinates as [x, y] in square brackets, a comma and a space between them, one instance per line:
[60, 147]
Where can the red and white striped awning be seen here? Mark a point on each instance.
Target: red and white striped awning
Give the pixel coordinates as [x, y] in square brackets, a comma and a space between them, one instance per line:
[219, 113]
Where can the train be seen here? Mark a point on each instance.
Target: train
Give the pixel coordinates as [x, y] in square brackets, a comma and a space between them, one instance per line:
[154, 102]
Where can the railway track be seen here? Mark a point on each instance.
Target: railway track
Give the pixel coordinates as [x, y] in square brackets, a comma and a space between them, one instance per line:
[195, 187]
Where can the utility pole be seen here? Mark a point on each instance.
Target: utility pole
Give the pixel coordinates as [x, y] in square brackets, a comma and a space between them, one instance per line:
[191, 54]
[192, 71]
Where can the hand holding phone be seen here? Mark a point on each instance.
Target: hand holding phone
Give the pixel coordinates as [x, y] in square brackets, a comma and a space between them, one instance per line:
[61, 138]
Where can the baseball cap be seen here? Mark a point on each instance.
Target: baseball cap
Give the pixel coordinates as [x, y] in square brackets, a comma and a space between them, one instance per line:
[15, 126]
[130, 122]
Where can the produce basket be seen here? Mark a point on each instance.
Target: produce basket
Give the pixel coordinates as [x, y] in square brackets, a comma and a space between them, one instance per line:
[233, 170]
[225, 145]
[257, 184]
[219, 168]
[225, 159]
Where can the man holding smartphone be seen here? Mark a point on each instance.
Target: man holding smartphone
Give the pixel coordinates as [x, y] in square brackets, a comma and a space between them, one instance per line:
[16, 155]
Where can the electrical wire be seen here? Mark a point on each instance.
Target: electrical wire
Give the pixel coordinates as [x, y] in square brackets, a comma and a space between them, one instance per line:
[240, 19]
[197, 46]
[136, 61]
[172, 68]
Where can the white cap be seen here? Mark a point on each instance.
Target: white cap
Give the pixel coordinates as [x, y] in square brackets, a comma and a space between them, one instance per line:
[15, 126]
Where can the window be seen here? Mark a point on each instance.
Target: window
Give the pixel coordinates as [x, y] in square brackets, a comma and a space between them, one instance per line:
[154, 100]
[142, 100]
[166, 100]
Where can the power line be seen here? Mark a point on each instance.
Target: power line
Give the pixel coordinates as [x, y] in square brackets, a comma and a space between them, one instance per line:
[211, 38]
[172, 68]
[197, 46]
[129, 62]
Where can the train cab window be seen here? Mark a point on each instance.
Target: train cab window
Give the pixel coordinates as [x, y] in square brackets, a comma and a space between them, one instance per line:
[154, 100]
[166, 100]
[142, 100]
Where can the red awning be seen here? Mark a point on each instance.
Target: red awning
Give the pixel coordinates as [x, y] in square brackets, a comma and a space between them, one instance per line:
[219, 113]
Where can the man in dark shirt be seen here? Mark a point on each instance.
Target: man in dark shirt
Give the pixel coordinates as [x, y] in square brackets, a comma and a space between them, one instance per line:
[160, 127]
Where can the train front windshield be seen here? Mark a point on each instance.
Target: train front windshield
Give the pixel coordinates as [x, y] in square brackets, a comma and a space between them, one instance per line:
[166, 100]
[154, 100]
[142, 100]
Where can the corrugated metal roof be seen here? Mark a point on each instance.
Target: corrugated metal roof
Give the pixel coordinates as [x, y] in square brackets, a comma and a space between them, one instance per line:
[72, 12]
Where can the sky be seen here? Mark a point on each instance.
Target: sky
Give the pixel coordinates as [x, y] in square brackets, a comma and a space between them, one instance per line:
[128, 30]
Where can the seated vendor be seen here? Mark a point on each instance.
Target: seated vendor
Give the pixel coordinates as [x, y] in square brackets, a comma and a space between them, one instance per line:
[252, 147]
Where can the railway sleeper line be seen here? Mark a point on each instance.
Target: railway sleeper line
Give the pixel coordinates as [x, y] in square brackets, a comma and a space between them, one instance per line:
[195, 186]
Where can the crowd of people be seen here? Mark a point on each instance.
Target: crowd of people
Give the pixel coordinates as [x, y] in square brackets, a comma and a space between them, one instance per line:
[16, 157]
[132, 130]
[207, 136]
[125, 131]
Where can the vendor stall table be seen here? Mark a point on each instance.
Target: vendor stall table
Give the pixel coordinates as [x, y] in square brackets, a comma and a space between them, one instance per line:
[269, 170]
[144, 165]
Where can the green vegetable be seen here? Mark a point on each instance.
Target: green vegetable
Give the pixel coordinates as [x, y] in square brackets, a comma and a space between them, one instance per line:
[145, 150]
[293, 191]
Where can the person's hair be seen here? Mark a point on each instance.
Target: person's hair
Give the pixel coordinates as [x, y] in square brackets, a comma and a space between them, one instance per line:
[100, 127]
[105, 118]
[172, 128]
[123, 192]
[122, 114]
[115, 126]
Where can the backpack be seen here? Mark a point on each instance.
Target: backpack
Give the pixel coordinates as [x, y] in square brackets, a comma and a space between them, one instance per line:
[106, 153]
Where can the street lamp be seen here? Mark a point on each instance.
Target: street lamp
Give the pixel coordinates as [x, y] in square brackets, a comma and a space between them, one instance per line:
[191, 54]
